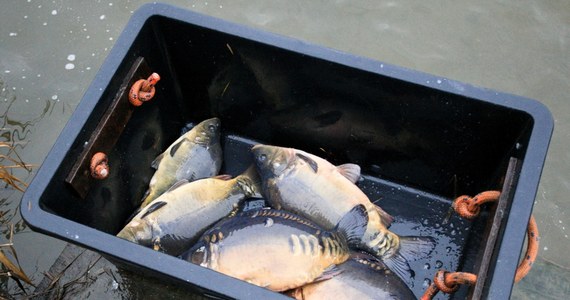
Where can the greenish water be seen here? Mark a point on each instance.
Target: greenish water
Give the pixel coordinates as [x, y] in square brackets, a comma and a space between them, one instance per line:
[51, 50]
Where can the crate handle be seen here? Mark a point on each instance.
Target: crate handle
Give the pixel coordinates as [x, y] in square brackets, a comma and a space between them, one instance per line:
[469, 207]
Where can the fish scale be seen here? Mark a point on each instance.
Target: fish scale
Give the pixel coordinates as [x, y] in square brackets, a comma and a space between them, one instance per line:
[312, 187]
[289, 250]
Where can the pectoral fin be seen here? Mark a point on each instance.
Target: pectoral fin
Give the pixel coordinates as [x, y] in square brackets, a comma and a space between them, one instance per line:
[175, 147]
[176, 185]
[313, 164]
[385, 217]
[328, 273]
[153, 207]
[157, 161]
[353, 224]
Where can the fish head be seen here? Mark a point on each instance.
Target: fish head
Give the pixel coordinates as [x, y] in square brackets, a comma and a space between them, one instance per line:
[207, 132]
[138, 231]
[272, 161]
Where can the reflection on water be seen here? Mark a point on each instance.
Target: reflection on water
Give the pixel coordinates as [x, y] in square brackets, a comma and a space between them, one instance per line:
[50, 51]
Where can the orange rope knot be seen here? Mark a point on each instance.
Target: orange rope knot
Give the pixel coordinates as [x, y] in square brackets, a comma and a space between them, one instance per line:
[99, 166]
[448, 282]
[143, 90]
[469, 208]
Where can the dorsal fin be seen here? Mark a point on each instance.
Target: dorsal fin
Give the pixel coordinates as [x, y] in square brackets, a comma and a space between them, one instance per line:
[350, 171]
[313, 164]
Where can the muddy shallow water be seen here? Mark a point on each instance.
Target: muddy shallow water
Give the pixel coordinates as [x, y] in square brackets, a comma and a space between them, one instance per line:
[51, 50]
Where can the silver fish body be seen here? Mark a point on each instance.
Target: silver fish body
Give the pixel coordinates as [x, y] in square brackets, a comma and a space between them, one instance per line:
[196, 154]
[361, 277]
[274, 249]
[175, 220]
[312, 187]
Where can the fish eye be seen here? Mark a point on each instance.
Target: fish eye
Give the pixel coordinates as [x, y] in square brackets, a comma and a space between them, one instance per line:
[262, 157]
[212, 128]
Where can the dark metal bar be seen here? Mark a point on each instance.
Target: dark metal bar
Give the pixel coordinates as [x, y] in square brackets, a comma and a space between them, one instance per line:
[499, 219]
[108, 130]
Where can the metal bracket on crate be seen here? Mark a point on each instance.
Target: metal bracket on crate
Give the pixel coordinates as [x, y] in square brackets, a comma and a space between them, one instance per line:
[108, 130]
[499, 218]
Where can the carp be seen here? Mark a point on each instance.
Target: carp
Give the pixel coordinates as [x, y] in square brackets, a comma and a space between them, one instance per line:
[175, 220]
[196, 154]
[312, 187]
[362, 276]
[276, 249]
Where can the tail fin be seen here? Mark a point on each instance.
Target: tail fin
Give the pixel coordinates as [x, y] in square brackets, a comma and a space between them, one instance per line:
[250, 182]
[411, 248]
[353, 225]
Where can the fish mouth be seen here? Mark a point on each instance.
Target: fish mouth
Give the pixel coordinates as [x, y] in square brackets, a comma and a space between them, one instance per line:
[272, 158]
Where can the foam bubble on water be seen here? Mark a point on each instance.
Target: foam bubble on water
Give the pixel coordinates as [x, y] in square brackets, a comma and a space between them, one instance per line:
[45, 24]
[71, 57]
[7, 71]
[54, 97]
[54, 12]
[13, 34]
[439, 81]
[102, 17]
[69, 66]
[545, 248]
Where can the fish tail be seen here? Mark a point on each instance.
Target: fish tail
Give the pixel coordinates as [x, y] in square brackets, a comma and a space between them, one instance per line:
[250, 182]
[353, 225]
[410, 248]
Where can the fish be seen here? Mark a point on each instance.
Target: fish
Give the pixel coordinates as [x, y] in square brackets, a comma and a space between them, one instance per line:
[362, 276]
[312, 187]
[174, 221]
[276, 249]
[194, 155]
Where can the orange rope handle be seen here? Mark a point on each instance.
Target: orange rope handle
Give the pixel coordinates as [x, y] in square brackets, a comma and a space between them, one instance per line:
[143, 90]
[469, 208]
[99, 166]
[531, 250]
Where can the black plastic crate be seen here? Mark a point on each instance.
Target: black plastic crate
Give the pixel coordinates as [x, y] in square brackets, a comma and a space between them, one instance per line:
[421, 140]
